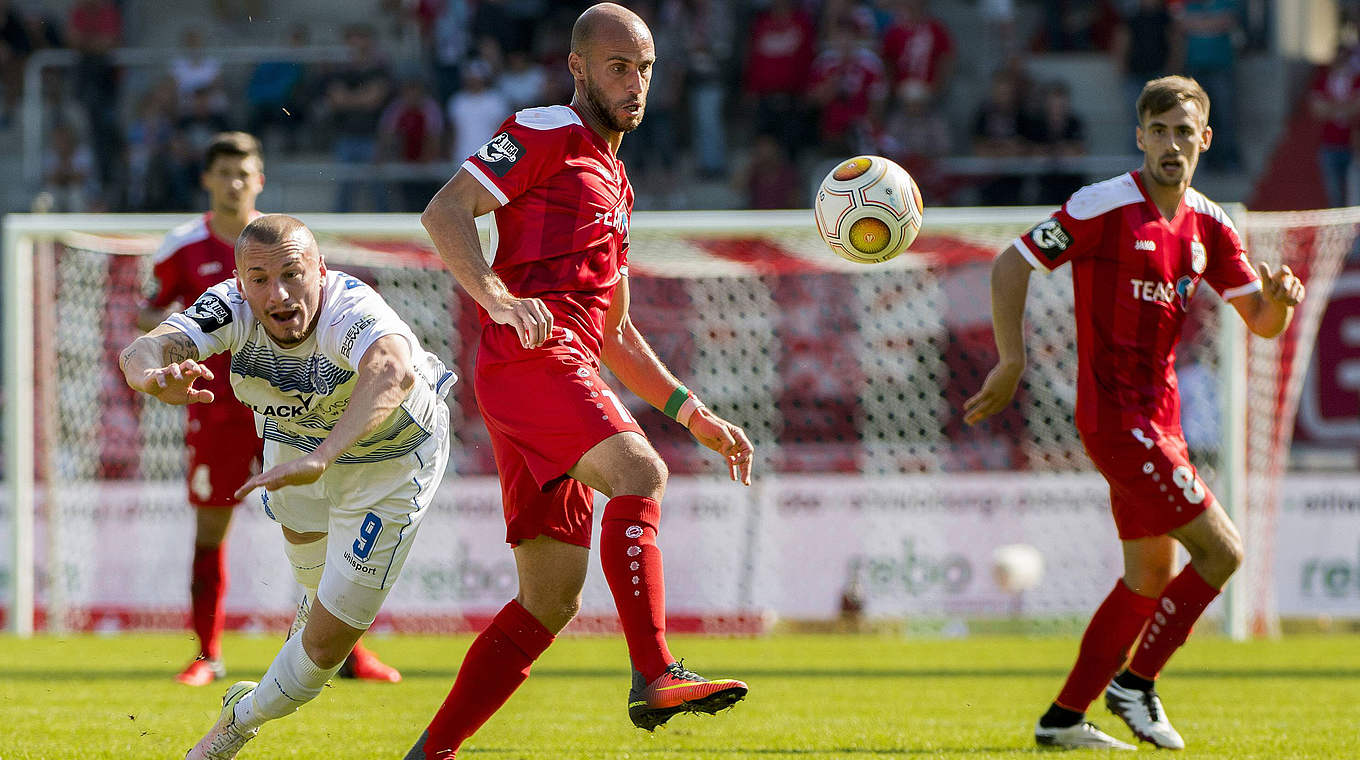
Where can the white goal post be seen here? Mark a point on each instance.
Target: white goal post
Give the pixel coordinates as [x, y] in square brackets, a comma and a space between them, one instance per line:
[848, 375]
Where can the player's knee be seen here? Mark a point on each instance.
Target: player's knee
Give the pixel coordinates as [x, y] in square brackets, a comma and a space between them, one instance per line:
[553, 610]
[644, 475]
[1232, 553]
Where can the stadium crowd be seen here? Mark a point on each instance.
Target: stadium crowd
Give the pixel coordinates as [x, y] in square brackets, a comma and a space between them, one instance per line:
[754, 95]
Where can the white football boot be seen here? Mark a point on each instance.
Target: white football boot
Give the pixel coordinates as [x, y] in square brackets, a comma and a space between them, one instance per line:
[224, 739]
[1084, 735]
[1143, 712]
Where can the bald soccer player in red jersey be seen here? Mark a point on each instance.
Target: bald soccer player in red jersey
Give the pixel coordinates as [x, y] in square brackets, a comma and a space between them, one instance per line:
[1140, 245]
[554, 307]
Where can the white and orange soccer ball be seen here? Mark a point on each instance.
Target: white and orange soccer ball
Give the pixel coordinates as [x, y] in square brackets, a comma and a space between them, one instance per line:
[868, 209]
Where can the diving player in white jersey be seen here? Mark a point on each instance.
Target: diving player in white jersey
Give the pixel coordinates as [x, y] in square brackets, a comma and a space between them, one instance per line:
[356, 440]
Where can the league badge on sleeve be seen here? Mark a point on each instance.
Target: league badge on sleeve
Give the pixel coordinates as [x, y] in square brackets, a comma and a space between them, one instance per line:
[1050, 238]
[500, 153]
[209, 312]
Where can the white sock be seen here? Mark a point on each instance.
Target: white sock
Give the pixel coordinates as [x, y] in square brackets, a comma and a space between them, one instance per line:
[291, 681]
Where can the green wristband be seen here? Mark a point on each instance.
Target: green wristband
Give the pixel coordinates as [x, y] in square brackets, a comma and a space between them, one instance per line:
[676, 400]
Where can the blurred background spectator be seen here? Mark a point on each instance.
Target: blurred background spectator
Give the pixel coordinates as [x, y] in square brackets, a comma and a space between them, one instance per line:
[770, 180]
[275, 98]
[912, 79]
[354, 96]
[69, 173]
[1143, 46]
[1212, 31]
[998, 133]
[198, 76]
[778, 64]
[849, 83]
[1334, 99]
[1053, 131]
[918, 50]
[95, 28]
[475, 111]
[411, 131]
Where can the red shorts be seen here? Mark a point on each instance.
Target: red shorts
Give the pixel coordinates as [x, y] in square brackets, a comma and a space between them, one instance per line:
[224, 452]
[544, 412]
[1154, 488]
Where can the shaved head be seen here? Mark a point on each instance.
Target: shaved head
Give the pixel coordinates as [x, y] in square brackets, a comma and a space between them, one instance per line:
[276, 230]
[606, 20]
[280, 272]
[611, 59]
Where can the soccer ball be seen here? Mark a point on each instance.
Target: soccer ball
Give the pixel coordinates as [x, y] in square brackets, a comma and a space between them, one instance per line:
[868, 209]
[1017, 567]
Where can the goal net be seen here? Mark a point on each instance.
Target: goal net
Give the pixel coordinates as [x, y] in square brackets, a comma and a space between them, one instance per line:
[872, 497]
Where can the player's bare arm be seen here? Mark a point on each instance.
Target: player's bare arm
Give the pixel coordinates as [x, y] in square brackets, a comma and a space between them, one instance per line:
[628, 355]
[1010, 288]
[385, 379]
[164, 364]
[1269, 311]
[450, 220]
[149, 317]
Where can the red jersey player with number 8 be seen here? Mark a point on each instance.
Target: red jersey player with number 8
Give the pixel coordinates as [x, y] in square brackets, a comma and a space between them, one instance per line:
[1139, 245]
[554, 306]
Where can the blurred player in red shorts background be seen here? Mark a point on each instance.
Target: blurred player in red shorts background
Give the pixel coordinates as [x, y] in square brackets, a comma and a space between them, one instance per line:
[554, 308]
[224, 448]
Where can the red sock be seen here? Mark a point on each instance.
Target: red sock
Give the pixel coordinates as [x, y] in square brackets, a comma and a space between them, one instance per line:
[1183, 601]
[495, 665]
[632, 566]
[207, 589]
[1105, 646]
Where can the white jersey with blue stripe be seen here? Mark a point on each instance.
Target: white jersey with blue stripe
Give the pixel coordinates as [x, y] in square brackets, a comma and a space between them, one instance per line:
[298, 393]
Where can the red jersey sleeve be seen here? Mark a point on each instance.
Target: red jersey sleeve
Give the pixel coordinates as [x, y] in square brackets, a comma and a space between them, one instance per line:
[167, 283]
[1060, 238]
[519, 157]
[1227, 269]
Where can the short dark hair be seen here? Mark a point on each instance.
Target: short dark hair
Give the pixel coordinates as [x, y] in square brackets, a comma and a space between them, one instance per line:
[1164, 94]
[233, 145]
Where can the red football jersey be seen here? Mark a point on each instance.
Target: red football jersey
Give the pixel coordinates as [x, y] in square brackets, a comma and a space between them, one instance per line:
[562, 233]
[190, 260]
[1133, 274]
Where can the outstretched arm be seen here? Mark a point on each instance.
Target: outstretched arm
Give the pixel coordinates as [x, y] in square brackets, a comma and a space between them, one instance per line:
[385, 379]
[631, 359]
[1269, 310]
[450, 219]
[1010, 288]
[164, 364]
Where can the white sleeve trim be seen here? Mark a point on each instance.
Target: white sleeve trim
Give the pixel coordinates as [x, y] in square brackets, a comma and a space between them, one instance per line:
[476, 171]
[1019, 244]
[1241, 290]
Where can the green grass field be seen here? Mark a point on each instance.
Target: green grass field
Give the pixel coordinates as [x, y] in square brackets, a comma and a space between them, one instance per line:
[825, 696]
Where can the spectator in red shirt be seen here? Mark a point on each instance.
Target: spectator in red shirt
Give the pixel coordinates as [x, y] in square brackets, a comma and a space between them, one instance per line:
[848, 84]
[771, 180]
[95, 28]
[410, 130]
[917, 49]
[778, 68]
[1334, 99]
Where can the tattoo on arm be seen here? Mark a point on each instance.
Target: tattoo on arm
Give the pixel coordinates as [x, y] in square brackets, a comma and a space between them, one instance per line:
[127, 355]
[176, 347]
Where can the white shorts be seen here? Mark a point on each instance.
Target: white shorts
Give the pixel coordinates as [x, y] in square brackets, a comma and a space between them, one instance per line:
[370, 511]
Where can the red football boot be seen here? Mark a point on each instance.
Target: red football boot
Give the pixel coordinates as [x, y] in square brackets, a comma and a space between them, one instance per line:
[679, 690]
[365, 666]
[201, 672]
